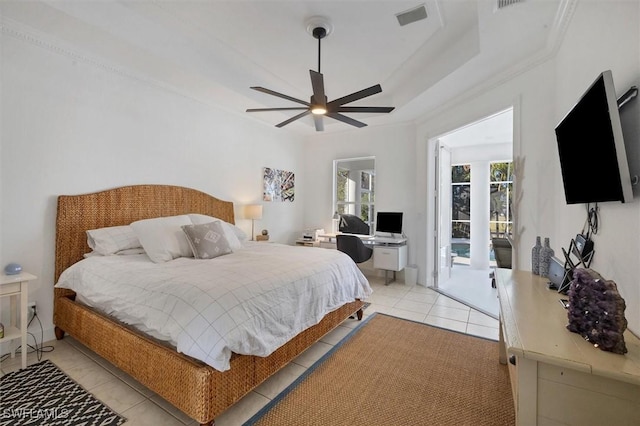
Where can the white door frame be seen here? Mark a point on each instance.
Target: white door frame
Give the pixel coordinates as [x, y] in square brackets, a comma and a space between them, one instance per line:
[442, 222]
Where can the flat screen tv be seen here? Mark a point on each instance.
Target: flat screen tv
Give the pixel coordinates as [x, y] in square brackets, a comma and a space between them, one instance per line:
[593, 158]
[389, 222]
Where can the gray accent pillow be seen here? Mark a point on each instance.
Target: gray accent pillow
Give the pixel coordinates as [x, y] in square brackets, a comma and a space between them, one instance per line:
[207, 240]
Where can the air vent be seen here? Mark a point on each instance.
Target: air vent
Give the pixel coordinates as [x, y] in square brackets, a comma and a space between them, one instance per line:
[412, 15]
[505, 3]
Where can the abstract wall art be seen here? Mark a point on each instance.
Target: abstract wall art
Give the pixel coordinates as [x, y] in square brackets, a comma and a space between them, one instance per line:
[278, 185]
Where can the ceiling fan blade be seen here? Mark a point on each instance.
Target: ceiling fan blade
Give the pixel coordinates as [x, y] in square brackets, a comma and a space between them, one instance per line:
[276, 109]
[317, 82]
[355, 96]
[317, 119]
[280, 95]
[345, 119]
[302, 114]
[364, 109]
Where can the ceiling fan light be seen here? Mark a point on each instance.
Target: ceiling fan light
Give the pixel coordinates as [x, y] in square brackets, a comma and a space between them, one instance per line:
[318, 110]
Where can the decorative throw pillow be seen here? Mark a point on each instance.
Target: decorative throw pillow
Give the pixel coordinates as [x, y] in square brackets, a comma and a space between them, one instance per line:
[596, 311]
[231, 232]
[162, 238]
[207, 240]
[113, 239]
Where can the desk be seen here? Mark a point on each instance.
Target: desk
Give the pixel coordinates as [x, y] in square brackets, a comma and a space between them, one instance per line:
[558, 378]
[389, 254]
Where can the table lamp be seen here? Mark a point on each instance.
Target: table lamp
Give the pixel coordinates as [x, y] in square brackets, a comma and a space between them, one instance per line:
[253, 212]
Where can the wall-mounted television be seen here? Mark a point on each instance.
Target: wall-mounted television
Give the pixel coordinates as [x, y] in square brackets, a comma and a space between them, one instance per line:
[593, 158]
[389, 222]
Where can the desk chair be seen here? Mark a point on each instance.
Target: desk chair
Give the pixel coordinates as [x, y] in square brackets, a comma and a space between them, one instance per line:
[354, 247]
[352, 224]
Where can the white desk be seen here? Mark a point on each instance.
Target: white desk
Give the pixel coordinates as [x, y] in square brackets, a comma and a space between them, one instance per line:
[367, 239]
[558, 378]
[389, 254]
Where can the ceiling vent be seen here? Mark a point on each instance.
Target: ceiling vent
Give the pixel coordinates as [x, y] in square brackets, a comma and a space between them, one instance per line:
[505, 3]
[413, 15]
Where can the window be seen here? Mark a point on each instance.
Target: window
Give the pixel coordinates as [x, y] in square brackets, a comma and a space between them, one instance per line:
[500, 198]
[461, 201]
[355, 188]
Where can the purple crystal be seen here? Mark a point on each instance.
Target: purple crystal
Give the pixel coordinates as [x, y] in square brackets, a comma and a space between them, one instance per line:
[596, 311]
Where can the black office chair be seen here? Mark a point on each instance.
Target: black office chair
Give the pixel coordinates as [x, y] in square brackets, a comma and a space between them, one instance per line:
[354, 247]
[352, 224]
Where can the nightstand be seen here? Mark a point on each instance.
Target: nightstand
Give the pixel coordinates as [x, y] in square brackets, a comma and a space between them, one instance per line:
[16, 288]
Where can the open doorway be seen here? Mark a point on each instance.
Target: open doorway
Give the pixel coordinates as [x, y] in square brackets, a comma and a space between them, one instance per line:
[473, 189]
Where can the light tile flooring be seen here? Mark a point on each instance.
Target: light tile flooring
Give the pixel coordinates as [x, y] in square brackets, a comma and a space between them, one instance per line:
[142, 407]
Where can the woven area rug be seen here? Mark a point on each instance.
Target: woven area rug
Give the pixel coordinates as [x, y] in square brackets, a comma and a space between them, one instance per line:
[42, 394]
[391, 371]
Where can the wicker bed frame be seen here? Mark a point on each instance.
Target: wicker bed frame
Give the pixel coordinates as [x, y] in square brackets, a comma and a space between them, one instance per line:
[197, 389]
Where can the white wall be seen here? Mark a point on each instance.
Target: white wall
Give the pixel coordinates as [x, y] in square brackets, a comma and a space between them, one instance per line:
[70, 127]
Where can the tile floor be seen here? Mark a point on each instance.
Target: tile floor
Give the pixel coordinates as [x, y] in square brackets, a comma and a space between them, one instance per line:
[142, 407]
[472, 287]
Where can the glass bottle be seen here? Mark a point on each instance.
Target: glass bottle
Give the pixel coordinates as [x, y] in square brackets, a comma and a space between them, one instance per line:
[546, 252]
[535, 256]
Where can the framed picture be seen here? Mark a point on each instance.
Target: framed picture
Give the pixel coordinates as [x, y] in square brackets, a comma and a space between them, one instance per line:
[278, 185]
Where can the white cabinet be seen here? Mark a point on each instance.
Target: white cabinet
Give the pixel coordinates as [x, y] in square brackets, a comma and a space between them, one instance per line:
[390, 258]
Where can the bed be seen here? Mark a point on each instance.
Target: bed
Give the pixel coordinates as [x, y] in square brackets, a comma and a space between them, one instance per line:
[196, 388]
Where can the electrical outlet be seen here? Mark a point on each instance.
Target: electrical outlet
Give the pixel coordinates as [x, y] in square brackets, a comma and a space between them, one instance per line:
[31, 310]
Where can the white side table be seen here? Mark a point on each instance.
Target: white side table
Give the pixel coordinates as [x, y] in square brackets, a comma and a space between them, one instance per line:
[15, 287]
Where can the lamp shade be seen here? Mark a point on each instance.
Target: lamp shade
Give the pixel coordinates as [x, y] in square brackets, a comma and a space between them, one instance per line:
[253, 211]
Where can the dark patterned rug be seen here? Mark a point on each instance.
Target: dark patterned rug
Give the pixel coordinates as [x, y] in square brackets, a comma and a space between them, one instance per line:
[42, 394]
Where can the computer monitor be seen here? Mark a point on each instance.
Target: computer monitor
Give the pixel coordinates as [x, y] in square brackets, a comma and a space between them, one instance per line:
[389, 222]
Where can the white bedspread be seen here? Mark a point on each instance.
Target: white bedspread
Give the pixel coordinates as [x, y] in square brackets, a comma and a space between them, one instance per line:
[249, 302]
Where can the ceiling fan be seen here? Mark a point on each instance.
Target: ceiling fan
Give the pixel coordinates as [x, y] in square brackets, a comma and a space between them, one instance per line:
[318, 106]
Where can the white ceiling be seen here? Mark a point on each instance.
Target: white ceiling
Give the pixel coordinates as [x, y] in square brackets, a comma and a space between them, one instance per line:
[213, 51]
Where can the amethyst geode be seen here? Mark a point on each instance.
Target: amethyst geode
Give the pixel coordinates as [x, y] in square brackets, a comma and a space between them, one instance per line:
[596, 311]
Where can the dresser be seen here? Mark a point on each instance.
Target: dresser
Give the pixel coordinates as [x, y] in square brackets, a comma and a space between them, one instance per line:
[558, 378]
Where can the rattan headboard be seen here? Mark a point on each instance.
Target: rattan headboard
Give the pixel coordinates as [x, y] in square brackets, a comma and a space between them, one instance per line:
[121, 206]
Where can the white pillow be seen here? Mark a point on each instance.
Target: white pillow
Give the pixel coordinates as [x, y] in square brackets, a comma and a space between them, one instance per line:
[126, 252]
[230, 232]
[111, 240]
[162, 238]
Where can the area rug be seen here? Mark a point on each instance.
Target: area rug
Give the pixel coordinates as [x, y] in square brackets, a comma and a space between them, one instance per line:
[391, 371]
[42, 394]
